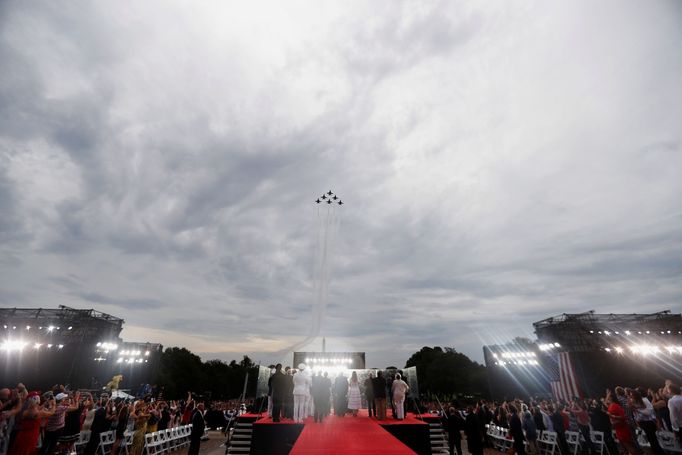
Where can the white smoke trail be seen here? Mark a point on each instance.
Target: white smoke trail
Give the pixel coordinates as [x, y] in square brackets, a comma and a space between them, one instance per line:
[327, 229]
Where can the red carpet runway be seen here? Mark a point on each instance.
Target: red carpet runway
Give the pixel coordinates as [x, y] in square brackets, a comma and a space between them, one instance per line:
[345, 435]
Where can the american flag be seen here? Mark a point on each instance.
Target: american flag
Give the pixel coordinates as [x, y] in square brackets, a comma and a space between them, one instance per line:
[567, 386]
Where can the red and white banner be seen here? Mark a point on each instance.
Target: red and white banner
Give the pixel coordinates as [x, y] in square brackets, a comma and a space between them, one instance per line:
[567, 386]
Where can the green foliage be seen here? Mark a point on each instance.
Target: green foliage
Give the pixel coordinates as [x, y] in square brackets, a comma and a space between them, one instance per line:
[182, 371]
[448, 373]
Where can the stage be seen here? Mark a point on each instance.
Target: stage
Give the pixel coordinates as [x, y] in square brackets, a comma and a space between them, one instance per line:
[339, 435]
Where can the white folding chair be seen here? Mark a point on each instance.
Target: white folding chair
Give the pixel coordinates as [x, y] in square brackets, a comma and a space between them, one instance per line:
[573, 441]
[598, 441]
[547, 442]
[106, 440]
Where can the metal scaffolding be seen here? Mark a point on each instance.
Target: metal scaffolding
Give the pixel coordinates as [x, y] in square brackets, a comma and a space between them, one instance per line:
[590, 331]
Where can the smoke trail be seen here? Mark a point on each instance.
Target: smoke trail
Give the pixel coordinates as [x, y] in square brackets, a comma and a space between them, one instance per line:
[327, 229]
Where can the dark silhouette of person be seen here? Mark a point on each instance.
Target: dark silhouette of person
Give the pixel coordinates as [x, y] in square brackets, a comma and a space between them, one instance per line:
[279, 389]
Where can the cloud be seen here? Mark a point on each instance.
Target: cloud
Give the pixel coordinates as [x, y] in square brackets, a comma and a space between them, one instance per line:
[499, 165]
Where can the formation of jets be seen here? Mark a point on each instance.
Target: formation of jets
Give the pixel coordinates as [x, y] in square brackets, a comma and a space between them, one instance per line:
[330, 198]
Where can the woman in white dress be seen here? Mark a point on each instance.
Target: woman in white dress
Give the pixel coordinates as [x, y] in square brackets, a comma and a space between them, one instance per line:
[399, 389]
[354, 396]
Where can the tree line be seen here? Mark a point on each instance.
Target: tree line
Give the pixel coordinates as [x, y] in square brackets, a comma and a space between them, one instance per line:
[441, 372]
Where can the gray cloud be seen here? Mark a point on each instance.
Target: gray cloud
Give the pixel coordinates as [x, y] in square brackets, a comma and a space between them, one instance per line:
[497, 166]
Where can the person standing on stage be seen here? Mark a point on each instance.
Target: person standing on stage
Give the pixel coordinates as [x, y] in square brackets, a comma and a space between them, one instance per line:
[289, 395]
[399, 390]
[379, 384]
[279, 387]
[389, 395]
[340, 394]
[319, 395]
[369, 395]
[354, 394]
[301, 392]
[198, 427]
[272, 373]
[326, 380]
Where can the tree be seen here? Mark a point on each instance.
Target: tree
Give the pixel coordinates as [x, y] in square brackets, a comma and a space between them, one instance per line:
[182, 371]
[446, 372]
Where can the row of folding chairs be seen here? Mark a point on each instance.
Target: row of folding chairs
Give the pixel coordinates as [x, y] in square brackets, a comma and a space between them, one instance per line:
[547, 440]
[164, 441]
[156, 443]
[575, 439]
[498, 437]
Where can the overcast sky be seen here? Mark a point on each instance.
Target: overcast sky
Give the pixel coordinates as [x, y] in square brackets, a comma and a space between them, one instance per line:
[501, 162]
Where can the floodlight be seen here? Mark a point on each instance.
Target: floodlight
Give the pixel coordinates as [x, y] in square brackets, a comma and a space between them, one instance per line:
[50, 328]
[619, 350]
[12, 345]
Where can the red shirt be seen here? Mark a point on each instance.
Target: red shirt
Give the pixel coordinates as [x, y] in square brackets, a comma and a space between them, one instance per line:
[619, 424]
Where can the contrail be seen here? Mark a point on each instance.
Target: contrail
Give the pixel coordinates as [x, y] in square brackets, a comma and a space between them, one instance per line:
[327, 229]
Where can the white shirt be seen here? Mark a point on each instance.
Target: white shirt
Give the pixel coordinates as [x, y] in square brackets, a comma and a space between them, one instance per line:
[675, 407]
[302, 383]
[646, 413]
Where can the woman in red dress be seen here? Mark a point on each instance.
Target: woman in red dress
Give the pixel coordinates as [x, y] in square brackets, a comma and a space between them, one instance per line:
[26, 442]
[619, 423]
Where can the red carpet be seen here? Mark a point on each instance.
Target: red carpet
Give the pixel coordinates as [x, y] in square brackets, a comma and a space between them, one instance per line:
[348, 435]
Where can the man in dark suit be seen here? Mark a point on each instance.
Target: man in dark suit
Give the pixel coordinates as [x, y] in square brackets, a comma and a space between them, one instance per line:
[198, 426]
[288, 402]
[340, 395]
[380, 395]
[279, 389]
[369, 395]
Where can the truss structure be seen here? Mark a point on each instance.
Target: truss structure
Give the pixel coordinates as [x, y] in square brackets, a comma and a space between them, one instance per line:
[591, 331]
[65, 323]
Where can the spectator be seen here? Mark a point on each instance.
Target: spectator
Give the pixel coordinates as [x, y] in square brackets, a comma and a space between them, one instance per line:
[620, 424]
[675, 407]
[198, 427]
[645, 417]
[32, 416]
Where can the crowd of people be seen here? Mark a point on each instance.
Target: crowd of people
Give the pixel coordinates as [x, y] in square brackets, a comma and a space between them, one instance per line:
[298, 393]
[621, 410]
[49, 423]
